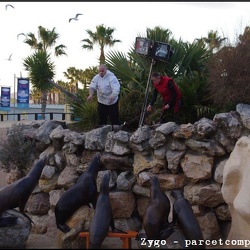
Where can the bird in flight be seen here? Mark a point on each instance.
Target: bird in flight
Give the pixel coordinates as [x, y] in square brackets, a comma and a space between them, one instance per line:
[20, 34]
[75, 18]
[9, 5]
[9, 59]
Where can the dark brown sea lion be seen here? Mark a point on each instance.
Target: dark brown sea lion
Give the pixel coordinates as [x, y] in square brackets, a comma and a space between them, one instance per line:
[83, 192]
[155, 218]
[17, 193]
[184, 216]
[103, 216]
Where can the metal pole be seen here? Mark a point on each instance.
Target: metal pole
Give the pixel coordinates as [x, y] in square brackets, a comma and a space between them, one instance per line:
[14, 110]
[146, 96]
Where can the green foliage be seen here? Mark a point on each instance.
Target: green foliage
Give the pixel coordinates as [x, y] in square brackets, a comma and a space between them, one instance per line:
[130, 105]
[195, 101]
[85, 111]
[40, 70]
[154, 117]
[16, 152]
[103, 36]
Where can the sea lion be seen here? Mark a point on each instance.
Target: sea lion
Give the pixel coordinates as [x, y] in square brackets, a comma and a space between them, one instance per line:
[155, 218]
[103, 216]
[83, 192]
[17, 193]
[184, 216]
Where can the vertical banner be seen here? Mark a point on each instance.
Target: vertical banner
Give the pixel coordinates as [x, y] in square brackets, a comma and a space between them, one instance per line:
[5, 98]
[23, 93]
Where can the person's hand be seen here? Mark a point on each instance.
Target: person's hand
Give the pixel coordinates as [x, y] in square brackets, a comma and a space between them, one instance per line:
[166, 106]
[111, 99]
[90, 98]
[149, 108]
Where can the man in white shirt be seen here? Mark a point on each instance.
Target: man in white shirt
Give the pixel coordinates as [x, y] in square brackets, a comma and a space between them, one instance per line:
[107, 88]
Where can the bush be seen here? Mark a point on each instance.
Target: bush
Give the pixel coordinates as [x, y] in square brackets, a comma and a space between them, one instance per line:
[16, 152]
[229, 75]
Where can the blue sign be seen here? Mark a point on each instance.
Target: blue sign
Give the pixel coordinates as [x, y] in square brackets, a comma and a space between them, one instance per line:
[23, 93]
[5, 98]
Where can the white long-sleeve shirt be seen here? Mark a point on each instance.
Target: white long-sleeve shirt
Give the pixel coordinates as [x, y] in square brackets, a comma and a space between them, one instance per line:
[106, 87]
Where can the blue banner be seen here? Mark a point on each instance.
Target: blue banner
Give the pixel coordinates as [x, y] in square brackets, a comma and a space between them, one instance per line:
[5, 98]
[23, 93]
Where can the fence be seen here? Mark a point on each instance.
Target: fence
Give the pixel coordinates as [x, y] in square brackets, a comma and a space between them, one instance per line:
[37, 116]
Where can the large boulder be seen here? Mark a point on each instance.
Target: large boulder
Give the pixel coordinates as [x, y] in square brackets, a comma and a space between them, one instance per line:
[15, 236]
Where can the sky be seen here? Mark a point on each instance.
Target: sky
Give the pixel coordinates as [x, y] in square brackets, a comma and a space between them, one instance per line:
[186, 20]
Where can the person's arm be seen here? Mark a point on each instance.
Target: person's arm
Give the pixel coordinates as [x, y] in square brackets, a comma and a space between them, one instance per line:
[171, 88]
[155, 93]
[115, 87]
[91, 89]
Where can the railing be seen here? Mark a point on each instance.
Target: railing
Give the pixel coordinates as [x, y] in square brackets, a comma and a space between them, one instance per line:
[37, 116]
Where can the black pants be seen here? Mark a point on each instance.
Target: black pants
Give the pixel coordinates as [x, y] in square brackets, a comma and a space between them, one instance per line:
[175, 116]
[108, 111]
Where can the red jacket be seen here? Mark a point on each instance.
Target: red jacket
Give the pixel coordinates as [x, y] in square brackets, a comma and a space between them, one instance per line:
[163, 89]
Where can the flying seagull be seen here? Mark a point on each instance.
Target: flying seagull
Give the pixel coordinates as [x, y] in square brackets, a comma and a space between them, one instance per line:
[75, 18]
[20, 34]
[9, 5]
[9, 59]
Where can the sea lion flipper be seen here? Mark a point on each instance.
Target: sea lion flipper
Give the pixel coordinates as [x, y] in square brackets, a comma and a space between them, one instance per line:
[116, 230]
[167, 230]
[64, 228]
[112, 225]
[112, 222]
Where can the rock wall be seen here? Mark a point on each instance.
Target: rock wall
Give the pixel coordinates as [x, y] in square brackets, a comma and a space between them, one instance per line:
[190, 157]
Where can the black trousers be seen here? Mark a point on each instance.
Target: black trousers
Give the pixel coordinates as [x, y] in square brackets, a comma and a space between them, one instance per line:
[175, 116]
[108, 111]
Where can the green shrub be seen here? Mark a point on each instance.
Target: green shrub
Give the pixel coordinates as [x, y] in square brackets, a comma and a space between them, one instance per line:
[16, 151]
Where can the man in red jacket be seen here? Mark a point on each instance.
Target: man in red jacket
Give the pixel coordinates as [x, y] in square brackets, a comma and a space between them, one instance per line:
[169, 92]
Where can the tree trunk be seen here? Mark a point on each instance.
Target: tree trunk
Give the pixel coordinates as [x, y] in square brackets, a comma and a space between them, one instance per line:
[44, 102]
[70, 95]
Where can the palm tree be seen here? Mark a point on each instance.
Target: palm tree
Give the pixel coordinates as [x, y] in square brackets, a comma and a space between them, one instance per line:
[103, 36]
[75, 76]
[43, 43]
[35, 95]
[245, 37]
[40, 69]
[213, 41]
